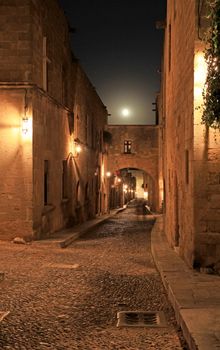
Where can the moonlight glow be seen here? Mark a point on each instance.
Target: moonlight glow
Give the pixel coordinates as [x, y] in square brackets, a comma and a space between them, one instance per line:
[125, 112]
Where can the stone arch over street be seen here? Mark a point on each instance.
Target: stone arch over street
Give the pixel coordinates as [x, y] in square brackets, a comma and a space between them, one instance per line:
[142, 153]
[139, 184]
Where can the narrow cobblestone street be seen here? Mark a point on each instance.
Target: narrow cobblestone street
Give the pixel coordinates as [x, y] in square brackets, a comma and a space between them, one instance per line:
[69, 298]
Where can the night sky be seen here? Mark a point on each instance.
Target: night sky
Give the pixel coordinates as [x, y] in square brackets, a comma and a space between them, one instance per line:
[120, 49]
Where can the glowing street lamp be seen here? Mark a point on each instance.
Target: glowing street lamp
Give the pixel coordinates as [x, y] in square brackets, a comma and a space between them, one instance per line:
[78, 149]
[26, 127]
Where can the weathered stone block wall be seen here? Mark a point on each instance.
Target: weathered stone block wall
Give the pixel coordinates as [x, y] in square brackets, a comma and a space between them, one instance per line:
[51, 142]
[90, 120]
[16, 167]
[52, 110]
[178, 105]
[207, 175]
[144, 154]
[55, 141]
[15, 41]
[192, 152]
[49, 22]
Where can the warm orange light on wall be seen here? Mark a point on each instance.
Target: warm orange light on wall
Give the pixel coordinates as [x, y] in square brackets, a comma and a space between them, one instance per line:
[200, 69]
[102, 170]
[161, 190]
[200, 73]
[146, 195]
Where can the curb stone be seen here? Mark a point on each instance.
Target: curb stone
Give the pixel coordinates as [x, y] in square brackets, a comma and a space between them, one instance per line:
[195, 297]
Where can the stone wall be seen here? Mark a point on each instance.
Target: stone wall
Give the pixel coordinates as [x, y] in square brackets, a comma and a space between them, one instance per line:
[207, 175]
[178, 113]
[67, 113]
[15, 41]
[51, 142]
[192, 151]
[16, 167]
[144, 152]
[45, 184]
[51, 51]
[90, 120]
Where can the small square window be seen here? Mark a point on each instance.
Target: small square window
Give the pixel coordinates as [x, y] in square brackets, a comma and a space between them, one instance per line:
[127, 146]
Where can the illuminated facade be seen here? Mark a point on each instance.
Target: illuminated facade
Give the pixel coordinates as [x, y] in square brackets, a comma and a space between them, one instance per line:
[191, 151]
[51, 126]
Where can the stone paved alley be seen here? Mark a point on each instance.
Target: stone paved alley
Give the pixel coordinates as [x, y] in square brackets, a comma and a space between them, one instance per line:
[69, 298]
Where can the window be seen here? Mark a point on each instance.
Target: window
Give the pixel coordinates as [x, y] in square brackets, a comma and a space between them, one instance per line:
[174, 9]
[93, 139]
[46, 181]
[87, 192]
[64, 180]
[64, 85]
[46, 62]
[187, 166]
[100, 140]
[77, 193]
[127, 146]
[87, 130]
[169, 57]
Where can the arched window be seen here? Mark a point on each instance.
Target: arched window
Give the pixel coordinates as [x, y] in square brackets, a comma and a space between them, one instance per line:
[87, 191]
[77, 192]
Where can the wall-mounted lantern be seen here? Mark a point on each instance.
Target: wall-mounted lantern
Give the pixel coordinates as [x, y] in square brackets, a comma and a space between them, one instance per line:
[26, 127]
[26, 120]
[78, 149]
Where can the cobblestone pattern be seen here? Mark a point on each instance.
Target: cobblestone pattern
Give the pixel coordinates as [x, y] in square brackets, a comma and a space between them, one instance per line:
[68, 299]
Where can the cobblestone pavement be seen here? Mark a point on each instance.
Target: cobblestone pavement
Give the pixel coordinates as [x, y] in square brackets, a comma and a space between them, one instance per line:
[69, 298]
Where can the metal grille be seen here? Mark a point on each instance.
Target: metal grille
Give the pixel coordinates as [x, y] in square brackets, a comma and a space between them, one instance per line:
[141, 319]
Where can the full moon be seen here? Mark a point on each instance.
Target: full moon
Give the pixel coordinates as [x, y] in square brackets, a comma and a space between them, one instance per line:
[125, 112]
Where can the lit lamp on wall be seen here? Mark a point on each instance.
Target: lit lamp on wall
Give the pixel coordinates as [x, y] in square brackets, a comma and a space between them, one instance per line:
[26, 127]
[78, 148]
[26, 121]
[108, 174]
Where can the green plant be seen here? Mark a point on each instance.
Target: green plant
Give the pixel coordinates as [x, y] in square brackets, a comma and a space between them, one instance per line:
[211, 92]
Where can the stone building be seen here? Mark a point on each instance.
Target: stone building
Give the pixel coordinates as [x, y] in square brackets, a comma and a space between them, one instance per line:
[134, 148]
[191, 169]
[51, 125]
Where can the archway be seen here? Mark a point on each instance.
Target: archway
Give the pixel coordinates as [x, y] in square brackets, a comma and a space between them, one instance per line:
[130, 183]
